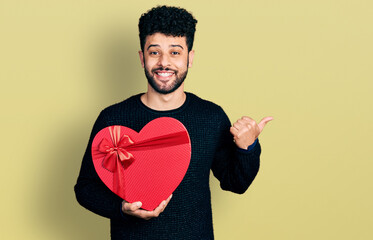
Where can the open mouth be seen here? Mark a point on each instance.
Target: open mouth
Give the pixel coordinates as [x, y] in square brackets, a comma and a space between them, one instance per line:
[164, 74]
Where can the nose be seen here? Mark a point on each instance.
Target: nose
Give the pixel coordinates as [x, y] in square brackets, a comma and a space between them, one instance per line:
[163, 60]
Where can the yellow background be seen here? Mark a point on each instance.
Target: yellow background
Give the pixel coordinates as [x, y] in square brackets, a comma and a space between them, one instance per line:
[307, 63]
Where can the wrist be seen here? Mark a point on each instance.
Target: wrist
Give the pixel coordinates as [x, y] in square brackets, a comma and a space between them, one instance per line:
[249, 148]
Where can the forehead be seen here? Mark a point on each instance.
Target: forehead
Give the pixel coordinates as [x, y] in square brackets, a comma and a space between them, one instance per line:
[165, 41]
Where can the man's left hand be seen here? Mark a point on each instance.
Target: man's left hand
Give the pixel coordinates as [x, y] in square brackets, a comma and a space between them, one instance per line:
[245, 130]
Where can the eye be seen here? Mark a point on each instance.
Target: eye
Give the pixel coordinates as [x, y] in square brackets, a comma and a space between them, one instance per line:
[153, 53]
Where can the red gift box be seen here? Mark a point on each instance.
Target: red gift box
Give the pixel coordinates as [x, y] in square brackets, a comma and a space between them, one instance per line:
[146, 166]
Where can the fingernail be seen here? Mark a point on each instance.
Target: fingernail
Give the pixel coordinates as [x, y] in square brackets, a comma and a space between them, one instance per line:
[139, 204]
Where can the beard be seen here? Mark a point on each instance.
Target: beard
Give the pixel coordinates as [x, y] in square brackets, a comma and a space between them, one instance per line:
[166, 90]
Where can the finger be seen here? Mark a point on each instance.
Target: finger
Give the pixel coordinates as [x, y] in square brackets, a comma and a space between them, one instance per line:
[140, 213]
[263, 122]
[234, 131]
[155, 213]
[168, 200]
[144, 214]
[132, 206]
[238, 125]
[163, 205]
[246, 118]
[159, 209]
[246, 122]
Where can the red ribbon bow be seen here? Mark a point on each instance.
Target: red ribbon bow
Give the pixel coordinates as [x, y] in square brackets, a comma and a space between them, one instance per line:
[115, 149]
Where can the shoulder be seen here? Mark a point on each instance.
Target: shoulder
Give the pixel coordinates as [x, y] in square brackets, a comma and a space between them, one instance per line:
[122, 106]
[117, 113]
[210, 110]
[204, 104]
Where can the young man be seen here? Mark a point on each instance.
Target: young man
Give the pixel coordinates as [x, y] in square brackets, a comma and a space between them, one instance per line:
[232, 153]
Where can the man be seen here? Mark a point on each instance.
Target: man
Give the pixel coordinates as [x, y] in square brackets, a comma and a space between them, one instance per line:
[232, 153]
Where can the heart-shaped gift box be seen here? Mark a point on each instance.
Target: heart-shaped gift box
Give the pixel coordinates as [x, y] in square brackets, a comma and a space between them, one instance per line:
[146, 166]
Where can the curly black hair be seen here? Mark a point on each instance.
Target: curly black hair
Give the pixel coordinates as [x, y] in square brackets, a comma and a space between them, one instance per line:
[171, 21]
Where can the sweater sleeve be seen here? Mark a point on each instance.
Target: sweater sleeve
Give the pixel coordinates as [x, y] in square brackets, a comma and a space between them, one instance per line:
[234, 169]
[90, 191]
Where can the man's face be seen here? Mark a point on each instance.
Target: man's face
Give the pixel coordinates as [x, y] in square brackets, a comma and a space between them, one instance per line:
[166, 60]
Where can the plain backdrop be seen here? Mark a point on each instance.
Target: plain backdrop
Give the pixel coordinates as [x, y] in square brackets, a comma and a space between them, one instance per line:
[306, 63]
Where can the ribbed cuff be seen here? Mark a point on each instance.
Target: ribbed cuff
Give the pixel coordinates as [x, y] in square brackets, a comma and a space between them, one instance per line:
[249, 148]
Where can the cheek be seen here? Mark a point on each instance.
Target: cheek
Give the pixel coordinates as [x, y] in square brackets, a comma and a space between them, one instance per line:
[181, 63]
[149, 64]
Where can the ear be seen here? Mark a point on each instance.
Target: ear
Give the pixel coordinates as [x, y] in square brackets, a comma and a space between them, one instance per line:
[141, 55]
[191, 57]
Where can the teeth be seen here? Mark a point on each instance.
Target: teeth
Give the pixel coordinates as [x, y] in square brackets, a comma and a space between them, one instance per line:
[164, 74]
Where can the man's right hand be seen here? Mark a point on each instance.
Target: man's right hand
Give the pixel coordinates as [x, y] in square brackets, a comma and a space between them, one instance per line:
[133, 209]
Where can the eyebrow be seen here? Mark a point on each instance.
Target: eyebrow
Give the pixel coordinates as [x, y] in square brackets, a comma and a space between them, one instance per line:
[176, 45]
[152, 45]
[172, 45]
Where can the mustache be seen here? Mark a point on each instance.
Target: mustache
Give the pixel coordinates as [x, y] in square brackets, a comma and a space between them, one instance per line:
[163, 69]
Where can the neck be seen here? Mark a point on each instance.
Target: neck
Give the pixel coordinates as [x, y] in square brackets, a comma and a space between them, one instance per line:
[164, 102]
